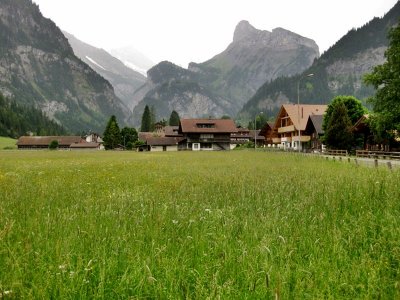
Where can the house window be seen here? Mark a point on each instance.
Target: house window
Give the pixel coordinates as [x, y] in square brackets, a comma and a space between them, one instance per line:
[207, 125]
[206, 136]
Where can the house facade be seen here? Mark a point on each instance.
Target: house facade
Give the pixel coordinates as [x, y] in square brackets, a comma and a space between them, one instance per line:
[206, 134]
[290, 125]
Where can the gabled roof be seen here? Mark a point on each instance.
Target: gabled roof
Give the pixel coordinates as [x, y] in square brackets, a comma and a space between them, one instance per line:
[207, 126]
[268, 127]
[46, 140]
[304, 110]
[316, 122]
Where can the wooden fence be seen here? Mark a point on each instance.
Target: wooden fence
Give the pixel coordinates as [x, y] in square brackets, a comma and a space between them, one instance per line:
[378, 154]
[336, 152]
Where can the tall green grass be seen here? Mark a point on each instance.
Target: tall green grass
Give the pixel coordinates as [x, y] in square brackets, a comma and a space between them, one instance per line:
[7, 143]
[229, 225]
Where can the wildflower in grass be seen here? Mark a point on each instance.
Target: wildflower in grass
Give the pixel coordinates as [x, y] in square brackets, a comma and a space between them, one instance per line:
[62, 267]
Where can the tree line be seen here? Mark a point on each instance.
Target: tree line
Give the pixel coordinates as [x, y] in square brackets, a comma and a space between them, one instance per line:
[17, 120]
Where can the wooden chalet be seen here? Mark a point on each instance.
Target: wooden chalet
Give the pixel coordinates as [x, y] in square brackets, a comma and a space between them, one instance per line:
[361, 129]
[292, 118]
[206, 134]
[315, 131]
[268, 133]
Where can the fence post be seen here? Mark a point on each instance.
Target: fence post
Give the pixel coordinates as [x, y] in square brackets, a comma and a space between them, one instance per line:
[376, 162]
[389, 164]
[356, 161]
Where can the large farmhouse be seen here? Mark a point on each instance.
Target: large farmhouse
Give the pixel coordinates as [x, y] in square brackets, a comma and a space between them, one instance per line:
[290, 124]
[206, 134]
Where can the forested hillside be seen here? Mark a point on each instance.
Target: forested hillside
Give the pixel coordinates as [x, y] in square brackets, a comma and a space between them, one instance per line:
[17, 120]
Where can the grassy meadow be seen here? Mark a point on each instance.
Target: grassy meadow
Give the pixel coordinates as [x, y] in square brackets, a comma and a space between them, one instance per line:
[196, 225]
[7, 143]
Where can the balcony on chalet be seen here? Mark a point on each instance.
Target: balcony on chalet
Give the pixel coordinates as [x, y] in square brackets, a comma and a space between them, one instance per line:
[303, 138]
[286, 139]
[284, 129]
[276, 140]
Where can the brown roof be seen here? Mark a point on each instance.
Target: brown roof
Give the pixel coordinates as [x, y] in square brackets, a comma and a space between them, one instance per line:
[163, 141]
[201, 126]
[360, 124]
[85, 145]
[268, 127]
[46, 140]
[305, 111]
[143, 136]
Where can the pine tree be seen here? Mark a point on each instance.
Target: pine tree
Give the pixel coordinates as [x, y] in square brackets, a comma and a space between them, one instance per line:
[338, 134]
[112, 135]
[146, 120]
[174, 119]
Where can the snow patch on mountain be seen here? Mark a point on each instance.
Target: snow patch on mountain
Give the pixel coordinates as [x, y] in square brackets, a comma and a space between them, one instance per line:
[95, 63]
[135, 68]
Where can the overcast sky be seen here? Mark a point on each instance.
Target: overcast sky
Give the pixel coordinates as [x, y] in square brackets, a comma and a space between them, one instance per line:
[182, 31]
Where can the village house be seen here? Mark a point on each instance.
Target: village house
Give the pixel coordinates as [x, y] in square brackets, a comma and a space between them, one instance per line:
[292, 120]
[268, 134]
[206, 134]
[164, 138]
[315, 131]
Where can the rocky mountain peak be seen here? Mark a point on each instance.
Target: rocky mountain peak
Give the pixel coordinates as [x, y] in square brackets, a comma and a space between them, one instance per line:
[245, 31]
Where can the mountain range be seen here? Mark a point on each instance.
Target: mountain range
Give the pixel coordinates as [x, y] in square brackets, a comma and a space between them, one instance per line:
[222, 84]
[81, 86]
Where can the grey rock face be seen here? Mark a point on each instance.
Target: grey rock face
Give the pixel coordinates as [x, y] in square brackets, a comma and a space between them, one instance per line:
[38, 67]
[254, 57]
